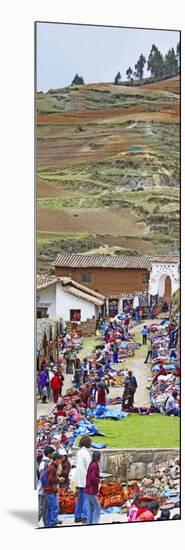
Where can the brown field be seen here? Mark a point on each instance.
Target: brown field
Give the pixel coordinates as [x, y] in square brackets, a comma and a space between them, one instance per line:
[90, 220]
[169, 85]
[80, 117]
[98, 145]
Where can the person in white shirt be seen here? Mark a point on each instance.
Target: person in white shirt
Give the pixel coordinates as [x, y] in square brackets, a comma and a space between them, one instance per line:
[171, 406]
[83, 461]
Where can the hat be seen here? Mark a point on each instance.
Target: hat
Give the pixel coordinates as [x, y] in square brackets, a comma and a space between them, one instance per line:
[62, 452]
[54, 369]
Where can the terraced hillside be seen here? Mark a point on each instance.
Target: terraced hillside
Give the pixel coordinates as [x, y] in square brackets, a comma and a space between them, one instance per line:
[108, 170]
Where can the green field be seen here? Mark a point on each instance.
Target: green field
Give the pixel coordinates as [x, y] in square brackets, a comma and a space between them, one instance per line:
[136, 431]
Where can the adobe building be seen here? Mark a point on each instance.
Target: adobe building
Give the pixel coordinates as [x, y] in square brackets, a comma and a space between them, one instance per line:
[137, 280]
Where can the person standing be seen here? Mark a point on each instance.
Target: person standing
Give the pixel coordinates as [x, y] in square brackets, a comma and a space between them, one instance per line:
[85, 370]
[65, 470]
[46, 460]
[115, 354]
[55, 385]
[149, 352]
[130, 389]
[144, 333]
[77, 375]
[51, 489]
[82, 464]
[126, 323]
[101, 392]
[91, 489]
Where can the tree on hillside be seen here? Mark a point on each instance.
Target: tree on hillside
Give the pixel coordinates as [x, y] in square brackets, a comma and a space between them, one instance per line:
[139, 67]
[155, 62]
[178, 54]
[129, 73]
[170, 63]
[77, 80]
[117, 78]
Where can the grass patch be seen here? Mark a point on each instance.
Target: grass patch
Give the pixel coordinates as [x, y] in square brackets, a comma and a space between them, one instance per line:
[136, 431]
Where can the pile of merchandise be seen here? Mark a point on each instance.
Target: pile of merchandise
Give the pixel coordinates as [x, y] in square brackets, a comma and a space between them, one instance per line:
[165, 367]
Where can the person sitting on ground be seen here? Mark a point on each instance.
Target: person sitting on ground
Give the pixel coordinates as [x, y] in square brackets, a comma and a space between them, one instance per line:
[150, 513]
[133, 510]
[60, 411]
[74, 413]
[165, 514]
[171, 406]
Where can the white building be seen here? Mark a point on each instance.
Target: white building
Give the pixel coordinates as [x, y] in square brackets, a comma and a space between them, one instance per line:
[164, 276]
[61, 297]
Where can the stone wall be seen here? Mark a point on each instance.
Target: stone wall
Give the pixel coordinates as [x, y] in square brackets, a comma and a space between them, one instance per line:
[88, 328]
[131, 464]
[157, 469]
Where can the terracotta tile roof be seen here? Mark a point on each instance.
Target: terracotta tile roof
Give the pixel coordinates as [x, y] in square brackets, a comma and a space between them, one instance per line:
[45, 280]
[166, 259]
[83, 295]
[116, 262]
[82, 287]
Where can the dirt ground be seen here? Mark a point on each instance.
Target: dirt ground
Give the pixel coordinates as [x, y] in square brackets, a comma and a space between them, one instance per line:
[89, 220]
[136, 364]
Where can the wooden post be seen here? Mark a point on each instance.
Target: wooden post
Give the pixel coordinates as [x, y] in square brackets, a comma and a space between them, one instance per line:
[57, 341]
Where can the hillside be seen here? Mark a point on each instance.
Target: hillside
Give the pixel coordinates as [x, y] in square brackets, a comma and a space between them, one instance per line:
[108, 169]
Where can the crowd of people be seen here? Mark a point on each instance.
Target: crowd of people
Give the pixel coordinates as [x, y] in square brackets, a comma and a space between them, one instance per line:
[56, 472]
[92, 379]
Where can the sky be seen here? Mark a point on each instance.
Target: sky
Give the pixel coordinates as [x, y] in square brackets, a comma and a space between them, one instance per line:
[95, 53]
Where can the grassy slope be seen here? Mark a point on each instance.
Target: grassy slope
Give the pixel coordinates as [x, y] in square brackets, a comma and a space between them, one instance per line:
[96, 145]
[138, 431]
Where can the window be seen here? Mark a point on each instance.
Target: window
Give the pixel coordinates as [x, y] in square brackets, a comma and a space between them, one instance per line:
[145, 278]
[86, 278]
[75, 314]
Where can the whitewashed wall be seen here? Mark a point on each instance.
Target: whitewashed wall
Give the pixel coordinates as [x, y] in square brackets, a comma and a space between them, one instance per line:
[62, 302]
[158, 274]
[48, 295]
[66, 301]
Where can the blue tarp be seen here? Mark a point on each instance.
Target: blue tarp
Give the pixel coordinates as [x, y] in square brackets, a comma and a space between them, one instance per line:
[171, 366]
[112, 510]
[84, 428]
[102, 411]
[98, 445]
